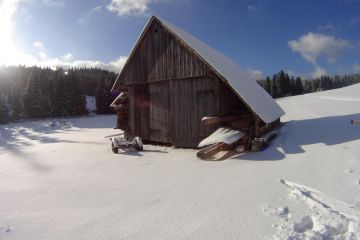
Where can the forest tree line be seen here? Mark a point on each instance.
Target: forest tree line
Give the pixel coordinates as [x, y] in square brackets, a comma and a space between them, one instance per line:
[283, 85]
[33, 92]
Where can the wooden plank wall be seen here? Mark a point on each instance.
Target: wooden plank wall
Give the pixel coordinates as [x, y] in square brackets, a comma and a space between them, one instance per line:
[160, 56]
[139, 103]
[191, 100]
[171, 111]
[159, 112]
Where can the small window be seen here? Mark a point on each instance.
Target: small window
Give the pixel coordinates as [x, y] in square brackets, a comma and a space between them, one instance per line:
[156, 30]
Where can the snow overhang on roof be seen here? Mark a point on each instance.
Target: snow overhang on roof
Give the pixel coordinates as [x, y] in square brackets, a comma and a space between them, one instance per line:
[248, 90]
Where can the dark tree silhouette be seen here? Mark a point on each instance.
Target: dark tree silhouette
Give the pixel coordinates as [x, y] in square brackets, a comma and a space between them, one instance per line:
[282, 85]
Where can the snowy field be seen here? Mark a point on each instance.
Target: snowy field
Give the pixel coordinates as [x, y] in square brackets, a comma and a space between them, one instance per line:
[60, 180]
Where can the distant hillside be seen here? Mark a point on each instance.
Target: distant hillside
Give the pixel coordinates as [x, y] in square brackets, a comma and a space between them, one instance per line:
[33, 92]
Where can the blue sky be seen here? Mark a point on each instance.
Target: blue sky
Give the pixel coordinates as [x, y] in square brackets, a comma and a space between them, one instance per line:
[306, 38]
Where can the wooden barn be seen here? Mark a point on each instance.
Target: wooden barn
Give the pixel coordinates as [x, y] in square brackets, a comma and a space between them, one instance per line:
[174, 80]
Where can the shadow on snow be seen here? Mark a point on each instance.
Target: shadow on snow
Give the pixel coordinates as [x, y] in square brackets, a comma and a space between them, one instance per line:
[298, 133]
[15, 136]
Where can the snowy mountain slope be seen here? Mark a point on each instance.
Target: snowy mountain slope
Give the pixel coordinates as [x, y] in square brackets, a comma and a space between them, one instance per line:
[60, 180]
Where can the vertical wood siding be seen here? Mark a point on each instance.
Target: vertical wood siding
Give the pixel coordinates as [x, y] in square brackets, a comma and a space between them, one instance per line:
[161, 56]
[139, 110]
[198, 99]
[159, 114]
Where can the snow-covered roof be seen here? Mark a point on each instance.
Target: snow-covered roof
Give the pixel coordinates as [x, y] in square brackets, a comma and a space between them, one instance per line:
[249, 90]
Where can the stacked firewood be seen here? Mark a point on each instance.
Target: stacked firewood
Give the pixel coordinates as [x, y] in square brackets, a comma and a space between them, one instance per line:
[243, 123]
[121, 106]
[240, 122]
[247, 127]
[122, 111]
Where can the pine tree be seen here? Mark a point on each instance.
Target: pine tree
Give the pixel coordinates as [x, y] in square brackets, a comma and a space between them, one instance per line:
[16, 104]
[57, 94]
[4, 111]
[298, 86]
[103, 97]
[274, 87]
[36, 101]
[74, 99]
[268, 85]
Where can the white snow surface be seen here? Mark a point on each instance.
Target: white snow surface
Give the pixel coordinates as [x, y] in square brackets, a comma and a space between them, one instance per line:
[249, 90]
[60, 180]
[222, 134]
[90, 103]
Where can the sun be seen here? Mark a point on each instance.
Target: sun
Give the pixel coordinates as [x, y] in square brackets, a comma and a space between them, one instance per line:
[7, 46]
[9, 52]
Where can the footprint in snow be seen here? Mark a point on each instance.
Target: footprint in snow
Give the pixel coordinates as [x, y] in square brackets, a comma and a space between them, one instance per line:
[304, 225]
[282, 212]
[331, 219]
[6, 229]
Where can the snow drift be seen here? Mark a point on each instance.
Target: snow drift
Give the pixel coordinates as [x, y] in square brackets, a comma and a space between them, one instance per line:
[60, 180]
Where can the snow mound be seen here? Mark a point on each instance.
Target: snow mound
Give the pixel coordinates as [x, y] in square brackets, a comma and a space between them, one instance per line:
[90, 104]
[60, 180]
[341, 99]
[222, 134]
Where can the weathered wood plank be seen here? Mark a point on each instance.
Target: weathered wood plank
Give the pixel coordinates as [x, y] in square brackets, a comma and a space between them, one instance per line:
[160, 56]
[159, 107]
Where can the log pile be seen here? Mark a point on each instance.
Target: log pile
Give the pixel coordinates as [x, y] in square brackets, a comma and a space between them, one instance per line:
[219, 151]
[245, 123]
[236, 119]
[122, 112]
[121, 106]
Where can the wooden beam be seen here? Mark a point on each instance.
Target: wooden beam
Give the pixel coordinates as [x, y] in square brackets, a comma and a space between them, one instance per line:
[355, 122]
[257, 130]
[239, 125]
[215, 120]
[169, 80]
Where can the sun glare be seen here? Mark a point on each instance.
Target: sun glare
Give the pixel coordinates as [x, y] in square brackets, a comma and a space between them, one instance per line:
[9, 53]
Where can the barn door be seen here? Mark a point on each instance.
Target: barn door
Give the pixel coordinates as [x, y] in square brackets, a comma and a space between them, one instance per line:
[159, 112]
[192, 99]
